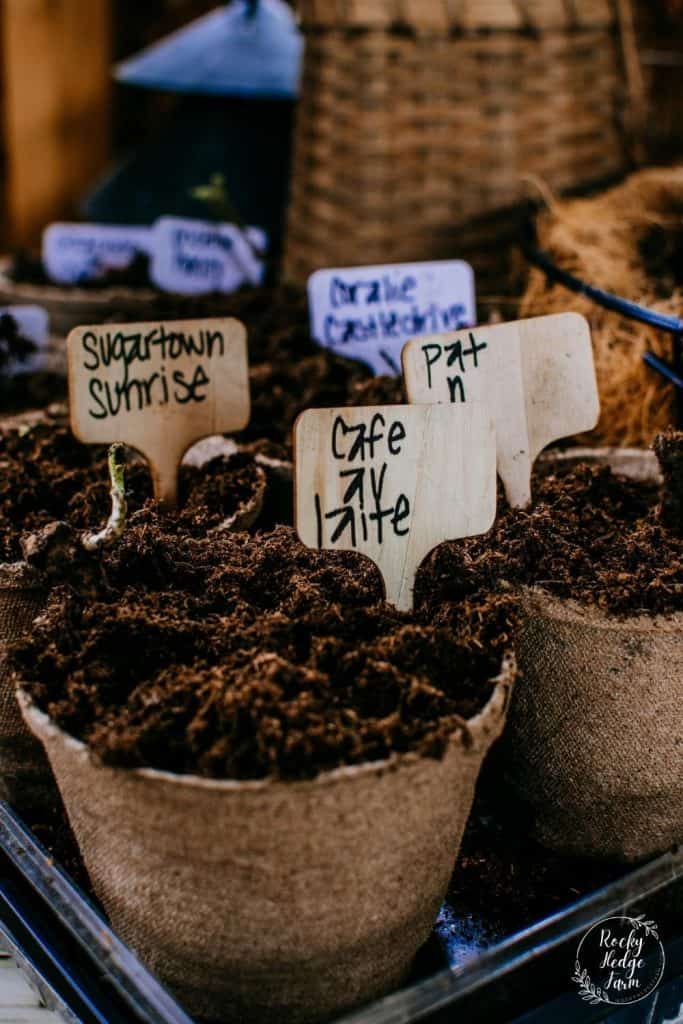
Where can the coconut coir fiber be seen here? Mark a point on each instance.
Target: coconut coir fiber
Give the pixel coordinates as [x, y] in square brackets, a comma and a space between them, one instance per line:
[591, 535]
[628, 241]
[250, 656]
[47, 476]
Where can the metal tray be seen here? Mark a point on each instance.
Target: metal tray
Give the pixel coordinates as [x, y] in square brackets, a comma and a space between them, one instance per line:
[503, 948]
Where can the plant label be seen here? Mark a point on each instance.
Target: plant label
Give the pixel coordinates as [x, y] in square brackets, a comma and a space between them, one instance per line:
[368, 313]
[393, 482]
[32, 324]
[74, 253]
[194, 257]
[537, 376]
[159, 388]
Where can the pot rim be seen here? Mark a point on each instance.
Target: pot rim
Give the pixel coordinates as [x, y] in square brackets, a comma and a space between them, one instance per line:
[570, 609]
[603, 452]
[479, 728]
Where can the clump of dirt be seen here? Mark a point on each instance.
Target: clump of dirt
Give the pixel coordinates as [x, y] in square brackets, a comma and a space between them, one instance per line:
[250, 656]
[669, 451]
[591, 535]
[46, 476]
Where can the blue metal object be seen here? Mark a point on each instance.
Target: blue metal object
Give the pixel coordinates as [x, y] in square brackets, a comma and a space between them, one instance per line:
[249, 49]
[664, 368]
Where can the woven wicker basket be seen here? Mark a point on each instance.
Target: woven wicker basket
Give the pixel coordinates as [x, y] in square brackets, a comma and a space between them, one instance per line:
[419, 116]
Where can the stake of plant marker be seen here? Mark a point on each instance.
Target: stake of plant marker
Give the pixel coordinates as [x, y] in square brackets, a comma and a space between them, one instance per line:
[537, 376]
[159, 388]
[393, 482]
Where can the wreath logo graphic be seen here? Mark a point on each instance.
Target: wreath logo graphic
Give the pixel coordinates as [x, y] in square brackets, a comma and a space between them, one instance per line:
[619, 961]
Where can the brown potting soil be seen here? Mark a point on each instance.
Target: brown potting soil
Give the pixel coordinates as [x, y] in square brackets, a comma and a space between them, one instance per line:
[47, 476]
[247, 657]
[591, 535]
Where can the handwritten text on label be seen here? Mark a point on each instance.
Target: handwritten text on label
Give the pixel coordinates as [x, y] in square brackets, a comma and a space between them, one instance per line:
[393, 482]
[368, 313]
[195, 257]
[74, 253]
[186, 256]
[158, 387]
[537, 377]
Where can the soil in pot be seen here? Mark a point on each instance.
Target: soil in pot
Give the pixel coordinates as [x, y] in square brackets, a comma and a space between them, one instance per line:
[330, 741]
[48, 476]
[264, 659]
[592, 534]
[594, 742]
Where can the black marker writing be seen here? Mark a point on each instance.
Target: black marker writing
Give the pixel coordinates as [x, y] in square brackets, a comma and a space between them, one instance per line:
[365, 512]
[371, 291]
[135, 390]
[457, 355]
[391, 325]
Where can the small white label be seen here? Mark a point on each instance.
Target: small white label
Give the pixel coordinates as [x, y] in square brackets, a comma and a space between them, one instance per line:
[33, 324]
[369, 313]
[75, 253]
[194, 257]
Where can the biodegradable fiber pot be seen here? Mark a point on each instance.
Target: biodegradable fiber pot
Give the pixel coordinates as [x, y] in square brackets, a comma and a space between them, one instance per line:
[26, 780]
[287, 901]
[594, 744]
[25, 776]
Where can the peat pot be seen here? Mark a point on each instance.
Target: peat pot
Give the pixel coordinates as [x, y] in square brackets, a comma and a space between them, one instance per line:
[26, 780]
[270, 900]
[25, 777]
[594, 745]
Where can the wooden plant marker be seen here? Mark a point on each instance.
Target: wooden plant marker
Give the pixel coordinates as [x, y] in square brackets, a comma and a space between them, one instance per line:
[536, 376]
[393, 482]
[159, 387]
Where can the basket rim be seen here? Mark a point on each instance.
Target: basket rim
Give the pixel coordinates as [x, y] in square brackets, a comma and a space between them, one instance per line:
[438, 16]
